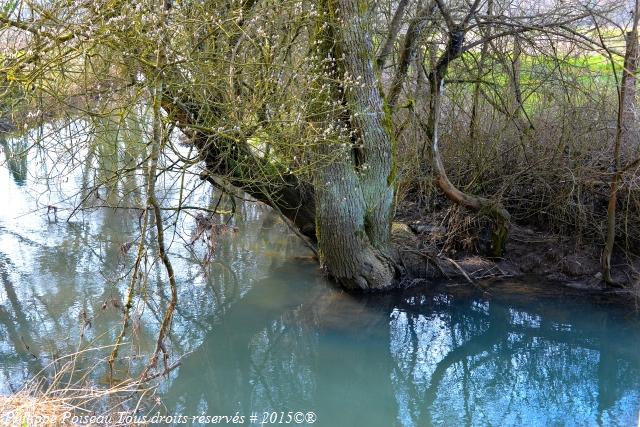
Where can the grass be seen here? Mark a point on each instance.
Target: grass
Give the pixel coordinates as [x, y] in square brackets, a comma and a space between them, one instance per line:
[64, 394]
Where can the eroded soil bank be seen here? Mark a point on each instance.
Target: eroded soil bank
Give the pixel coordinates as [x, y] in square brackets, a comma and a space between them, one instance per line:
[439, 246]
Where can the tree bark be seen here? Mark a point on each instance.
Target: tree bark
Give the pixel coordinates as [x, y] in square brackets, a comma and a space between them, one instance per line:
[355, 189]
[409, 50]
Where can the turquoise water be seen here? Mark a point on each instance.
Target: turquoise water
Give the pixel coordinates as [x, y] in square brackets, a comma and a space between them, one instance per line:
[420, 358]
[259, 330]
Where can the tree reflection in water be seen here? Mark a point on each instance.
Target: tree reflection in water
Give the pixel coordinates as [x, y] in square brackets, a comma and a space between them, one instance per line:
[421, 358]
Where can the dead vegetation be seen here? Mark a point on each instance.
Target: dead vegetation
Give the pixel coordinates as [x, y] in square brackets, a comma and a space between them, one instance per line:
[65, 393]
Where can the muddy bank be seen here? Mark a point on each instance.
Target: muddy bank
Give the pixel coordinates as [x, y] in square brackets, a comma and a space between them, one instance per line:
[436, 248]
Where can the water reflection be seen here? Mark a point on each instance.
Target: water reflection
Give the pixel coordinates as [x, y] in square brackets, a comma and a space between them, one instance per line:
[429, 358]
[499, 361]
[259, 329]
[15, 157]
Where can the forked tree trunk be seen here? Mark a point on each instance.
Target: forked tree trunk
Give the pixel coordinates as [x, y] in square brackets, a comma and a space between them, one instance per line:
[349, 209]
[409, 50]
[394, 28]
[355, 185]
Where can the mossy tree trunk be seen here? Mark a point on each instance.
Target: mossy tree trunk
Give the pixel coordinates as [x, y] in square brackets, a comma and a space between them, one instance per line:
[355, 185]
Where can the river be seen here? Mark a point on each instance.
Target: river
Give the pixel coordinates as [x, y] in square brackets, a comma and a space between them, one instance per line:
[259, 329]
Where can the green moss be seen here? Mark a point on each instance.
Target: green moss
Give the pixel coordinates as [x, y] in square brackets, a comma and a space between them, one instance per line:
[363, 7]
[499, 239]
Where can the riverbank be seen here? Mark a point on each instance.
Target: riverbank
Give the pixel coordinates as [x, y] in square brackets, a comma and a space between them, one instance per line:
[450, 244]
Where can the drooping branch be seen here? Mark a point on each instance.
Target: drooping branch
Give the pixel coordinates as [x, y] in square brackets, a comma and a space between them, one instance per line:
[232, 160]
[228, 156]
[454, 48]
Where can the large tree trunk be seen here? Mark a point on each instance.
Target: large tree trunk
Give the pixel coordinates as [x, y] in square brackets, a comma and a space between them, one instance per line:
[355, 185]
[349, 208]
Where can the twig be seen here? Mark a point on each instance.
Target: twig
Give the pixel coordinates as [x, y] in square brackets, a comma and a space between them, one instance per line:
[464, 273]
